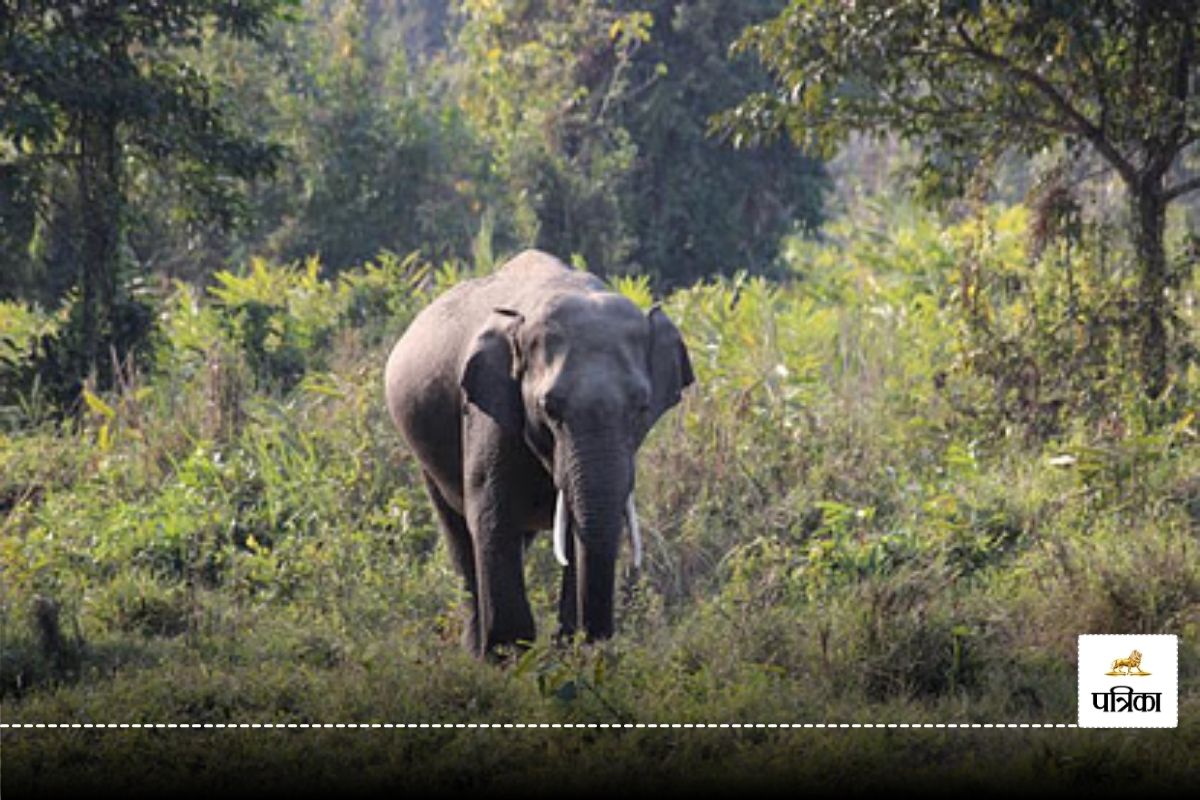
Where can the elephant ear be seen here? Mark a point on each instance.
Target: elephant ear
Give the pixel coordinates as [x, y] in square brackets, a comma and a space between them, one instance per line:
[670, 366]
[490, 376]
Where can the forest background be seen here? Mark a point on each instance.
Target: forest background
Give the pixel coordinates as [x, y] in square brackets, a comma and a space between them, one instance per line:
[936, 266]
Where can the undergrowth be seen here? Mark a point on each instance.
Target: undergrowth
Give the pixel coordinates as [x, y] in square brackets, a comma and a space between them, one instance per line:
[859, 514]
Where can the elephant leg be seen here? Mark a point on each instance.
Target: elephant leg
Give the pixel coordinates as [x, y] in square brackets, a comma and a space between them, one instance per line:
[462, 553]
[504, 614]
[496, 474]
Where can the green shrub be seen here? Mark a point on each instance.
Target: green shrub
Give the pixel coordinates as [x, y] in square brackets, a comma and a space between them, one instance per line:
[844, 519]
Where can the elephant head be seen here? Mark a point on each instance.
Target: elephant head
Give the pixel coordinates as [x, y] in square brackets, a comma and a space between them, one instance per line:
[581, 379]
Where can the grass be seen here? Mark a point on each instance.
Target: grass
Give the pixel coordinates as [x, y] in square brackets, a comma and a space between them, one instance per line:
[845, 522]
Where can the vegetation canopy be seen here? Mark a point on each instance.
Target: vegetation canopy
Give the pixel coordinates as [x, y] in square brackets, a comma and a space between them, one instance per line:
[92, 92]
[971, 79]
[944, 417]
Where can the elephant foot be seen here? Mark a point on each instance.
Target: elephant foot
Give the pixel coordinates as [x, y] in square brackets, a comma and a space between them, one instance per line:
[508, 633]
[565, 635]
[507, 653]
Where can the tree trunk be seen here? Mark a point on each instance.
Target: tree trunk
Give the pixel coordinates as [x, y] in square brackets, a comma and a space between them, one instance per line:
[100, 213]
[1149, 217]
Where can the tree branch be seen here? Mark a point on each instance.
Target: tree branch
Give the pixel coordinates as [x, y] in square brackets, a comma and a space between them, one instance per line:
[1078, 121]
[35, 158]
[1171, 192]
[1179, 83]
[1097, 82]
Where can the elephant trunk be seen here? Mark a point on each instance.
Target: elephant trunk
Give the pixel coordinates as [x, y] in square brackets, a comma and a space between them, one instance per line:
[562, 530]
[595, 495]
[596, 586]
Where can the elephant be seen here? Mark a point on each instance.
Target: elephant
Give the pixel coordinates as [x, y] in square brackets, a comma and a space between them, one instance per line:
[525, 395]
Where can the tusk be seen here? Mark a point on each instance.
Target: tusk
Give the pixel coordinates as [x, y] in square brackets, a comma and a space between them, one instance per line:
[635, 533]
[560, 530]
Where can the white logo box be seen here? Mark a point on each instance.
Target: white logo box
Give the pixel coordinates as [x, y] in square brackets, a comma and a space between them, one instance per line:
[1129, 699]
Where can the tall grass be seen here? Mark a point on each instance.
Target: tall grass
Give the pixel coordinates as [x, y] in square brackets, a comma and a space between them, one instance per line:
[845, 521]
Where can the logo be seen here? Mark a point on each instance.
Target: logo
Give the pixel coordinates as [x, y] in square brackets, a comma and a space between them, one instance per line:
[1122, 692]
[1128, 664]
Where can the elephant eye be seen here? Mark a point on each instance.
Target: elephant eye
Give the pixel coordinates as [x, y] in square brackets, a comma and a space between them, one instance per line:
[552, 406]
[640, 401]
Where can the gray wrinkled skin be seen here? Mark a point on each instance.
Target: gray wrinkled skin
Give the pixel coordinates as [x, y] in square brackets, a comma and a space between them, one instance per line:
[512, 387]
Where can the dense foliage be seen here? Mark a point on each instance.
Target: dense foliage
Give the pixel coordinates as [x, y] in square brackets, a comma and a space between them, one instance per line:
[349, 128]
[973, 79]
[849, 519]
[923, 453]
[608, 158]
[94, 96]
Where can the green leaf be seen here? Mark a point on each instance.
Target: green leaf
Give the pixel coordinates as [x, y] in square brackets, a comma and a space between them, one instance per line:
[97, 405]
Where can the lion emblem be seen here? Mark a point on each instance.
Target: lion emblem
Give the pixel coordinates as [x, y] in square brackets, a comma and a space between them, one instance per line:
[1134, 662]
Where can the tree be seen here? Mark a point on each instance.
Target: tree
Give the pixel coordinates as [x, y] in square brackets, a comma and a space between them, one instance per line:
[89, 89]
[374, 153]
[541, 83]
[969, 77]
[376, 158]
[696, 205]
[595, 113]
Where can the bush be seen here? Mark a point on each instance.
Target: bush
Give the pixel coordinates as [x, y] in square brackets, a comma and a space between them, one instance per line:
[843, 520]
